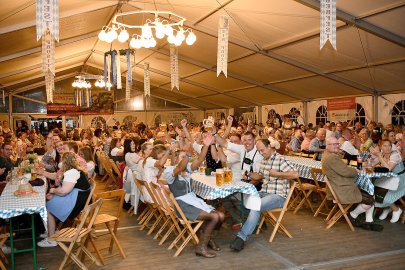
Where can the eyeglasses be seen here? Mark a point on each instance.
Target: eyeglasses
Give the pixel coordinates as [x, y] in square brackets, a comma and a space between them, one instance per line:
[333, 143]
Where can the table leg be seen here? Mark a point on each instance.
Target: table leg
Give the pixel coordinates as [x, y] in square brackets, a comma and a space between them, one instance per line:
[12, 244]
[242, 209]
[34, 246]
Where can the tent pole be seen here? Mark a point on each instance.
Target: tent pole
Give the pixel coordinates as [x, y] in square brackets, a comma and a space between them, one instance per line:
[10, 111]
[259, 114]
[375, 108]
[305, 111]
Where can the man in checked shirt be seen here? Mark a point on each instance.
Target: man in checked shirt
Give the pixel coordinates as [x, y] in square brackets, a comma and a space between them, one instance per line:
[275, 172]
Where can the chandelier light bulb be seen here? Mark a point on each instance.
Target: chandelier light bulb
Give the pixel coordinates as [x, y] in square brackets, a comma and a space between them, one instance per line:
[146, 31]
[102, 35]
[123, 36]
[171, 39]
[191, 38]
[180, 35]
[177, 41]
[168, 30]
[160, 30]
[152, 42]
[113, 34]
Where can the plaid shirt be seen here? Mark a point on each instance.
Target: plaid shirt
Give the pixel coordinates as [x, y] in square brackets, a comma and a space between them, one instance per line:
[275, 185]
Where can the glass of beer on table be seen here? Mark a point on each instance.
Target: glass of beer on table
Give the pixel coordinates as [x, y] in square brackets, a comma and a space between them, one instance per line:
[220, 177]
[34, 174]
[202, 167]
[228, 175]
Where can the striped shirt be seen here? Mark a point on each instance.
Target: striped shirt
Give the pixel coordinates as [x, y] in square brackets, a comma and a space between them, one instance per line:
[276, 185]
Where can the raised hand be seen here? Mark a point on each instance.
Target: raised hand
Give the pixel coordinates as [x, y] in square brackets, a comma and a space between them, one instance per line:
[208, 139]
[183, 123]
[230, 120]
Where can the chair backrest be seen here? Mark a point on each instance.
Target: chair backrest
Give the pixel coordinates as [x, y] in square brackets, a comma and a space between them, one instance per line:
[115, 168]
[293, 184]
[315, 172]
[330, 188]
[90, 211]
[112, 195]
[160, 197]
[177, 207]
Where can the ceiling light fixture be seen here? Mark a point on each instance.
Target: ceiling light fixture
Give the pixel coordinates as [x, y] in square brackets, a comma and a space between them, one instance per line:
[172, 29]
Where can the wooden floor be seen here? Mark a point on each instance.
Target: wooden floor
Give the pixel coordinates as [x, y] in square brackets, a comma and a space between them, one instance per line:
[312, 247]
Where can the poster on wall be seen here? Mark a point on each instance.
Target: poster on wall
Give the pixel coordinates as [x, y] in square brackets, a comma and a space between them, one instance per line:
[97, 103]
[174, 118]
[218, 115]
[341, 109]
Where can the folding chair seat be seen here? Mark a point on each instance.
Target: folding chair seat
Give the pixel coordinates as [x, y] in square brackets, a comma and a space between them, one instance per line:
[3, 257]
[270, 217]
[72, 240]
[338, 209]
[321, 191]
[160, 214]
[304, 190]
[189, 231]
[110, 221]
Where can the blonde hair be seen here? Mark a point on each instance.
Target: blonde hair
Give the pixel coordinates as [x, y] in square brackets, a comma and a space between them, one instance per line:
[69, 162]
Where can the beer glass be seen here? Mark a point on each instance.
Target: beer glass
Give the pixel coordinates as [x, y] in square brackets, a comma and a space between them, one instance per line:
[228, 175]
[219, 177]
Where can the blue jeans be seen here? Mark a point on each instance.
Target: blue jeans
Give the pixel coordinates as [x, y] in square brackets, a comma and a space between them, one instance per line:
[268, 201]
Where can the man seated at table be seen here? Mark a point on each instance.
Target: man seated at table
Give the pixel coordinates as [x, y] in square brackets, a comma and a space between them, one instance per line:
[7, 161]
[318, 143]
[296, 140]
[275, 172]
[342, 180]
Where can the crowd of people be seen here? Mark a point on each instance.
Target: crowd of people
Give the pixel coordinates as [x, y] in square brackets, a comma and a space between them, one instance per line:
[254, 153]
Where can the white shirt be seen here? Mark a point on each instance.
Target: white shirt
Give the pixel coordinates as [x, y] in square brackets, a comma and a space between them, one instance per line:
[71, 176]
[150, 171]
[233, 162]
[349, 148]
[90, 168]
[115, 151]
[240, 149]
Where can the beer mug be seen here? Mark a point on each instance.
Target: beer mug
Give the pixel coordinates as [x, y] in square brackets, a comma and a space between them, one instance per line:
[202, 167]
[209, 123]
[34, 174]
[219, 177]
[228, 175]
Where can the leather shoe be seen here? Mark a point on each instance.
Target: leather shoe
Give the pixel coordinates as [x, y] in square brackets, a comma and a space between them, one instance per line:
[237, 244]
[354, 221]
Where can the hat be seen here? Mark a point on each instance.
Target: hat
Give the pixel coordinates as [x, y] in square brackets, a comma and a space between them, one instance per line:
[24, 190]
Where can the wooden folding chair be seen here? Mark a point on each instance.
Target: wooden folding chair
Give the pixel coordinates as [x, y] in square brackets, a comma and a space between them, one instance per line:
[402, 200]
[165, 210]
[74, 238]
[189, 230]
[93, 185]
[3, 257]
[276, 222]
[321, 191]
[304, 190]
[160, 214]
[110, 221]
[338, 209]
[148, 212]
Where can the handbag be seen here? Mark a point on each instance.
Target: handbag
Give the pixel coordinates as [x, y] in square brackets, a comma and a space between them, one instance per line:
[127, 183]
[379, 194]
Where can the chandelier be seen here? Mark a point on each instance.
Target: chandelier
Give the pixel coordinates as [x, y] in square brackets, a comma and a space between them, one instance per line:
[173, 30]
[81, 82]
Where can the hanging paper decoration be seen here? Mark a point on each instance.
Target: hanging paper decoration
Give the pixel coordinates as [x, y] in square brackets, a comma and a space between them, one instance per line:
[146, 84]
[222, 53]
[47, 18]
[105, 68]
[47, 25]
[118, 63]
[108, 84]
[90, 98]
[129, 67]
[114, 66]
[328, 23]
[4, 101]
[174, 67]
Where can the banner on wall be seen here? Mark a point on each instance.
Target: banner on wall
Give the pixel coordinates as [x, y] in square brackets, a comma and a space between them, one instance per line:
[176, 118]
[102, 102]
[341, 109]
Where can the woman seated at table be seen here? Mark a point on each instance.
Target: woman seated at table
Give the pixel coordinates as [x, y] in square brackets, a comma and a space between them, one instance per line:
[87, 154]
[393, 162]
[194, 208]
[67, 200]
[153, 167]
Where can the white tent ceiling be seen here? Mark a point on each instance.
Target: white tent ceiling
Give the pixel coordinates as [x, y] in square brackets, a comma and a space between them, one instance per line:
[274, 54]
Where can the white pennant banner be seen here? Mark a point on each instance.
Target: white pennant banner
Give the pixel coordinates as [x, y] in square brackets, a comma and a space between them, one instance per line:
[174, 67]
[127, 89]
[49, 86]
[47, 18]
[146, 79]
[108, 74]
[222, 53]
[146, 84]
[118, 63]
[48, 53]
[328, 23]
